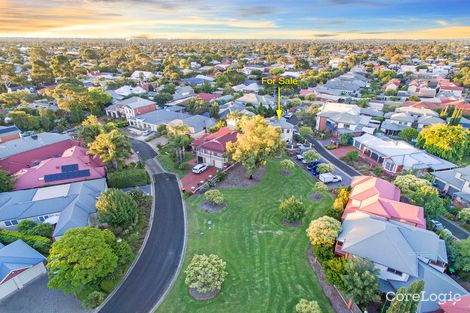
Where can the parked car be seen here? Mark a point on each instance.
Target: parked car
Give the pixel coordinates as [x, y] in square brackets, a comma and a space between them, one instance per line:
[299, 157]
[146, 133]
[329, 178]
[289, 115]
[313, 165]
[198, 169]
[437, 225]
[314, 171]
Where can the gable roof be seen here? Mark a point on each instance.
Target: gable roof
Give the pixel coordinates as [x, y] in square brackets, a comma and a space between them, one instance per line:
[136, 102]
[17, 255]
[217, 141]
[4, 130]
[24, 144]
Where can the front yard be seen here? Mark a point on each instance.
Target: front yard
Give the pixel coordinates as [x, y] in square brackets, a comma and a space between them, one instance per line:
[167, 160]
[267, 262]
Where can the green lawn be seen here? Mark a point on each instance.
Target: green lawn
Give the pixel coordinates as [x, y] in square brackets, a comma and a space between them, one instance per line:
[266, 261]
[168, 164]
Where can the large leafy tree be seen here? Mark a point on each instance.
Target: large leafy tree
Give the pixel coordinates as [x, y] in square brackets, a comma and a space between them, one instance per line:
[455, 146]
[409, 184]
[428, 198]
[15, 98]
[257, 143]
[407, 299]
[360, 281]
[408, 134]
[461, 257]
[117, 209]
[60, 66]
[90, 129]
[112, 147]
[81, 258]
[206, 273]
[7, 182]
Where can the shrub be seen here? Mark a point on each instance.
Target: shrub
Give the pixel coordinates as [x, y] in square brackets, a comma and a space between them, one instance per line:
[330, 147]
[320, 187]
[464, 215]
[378, 171]
[26, 225]
[117, 209]
[339, 204]
[42, 244]
[410, 184]
[351, 156]
[305, 306]
[311, 155]
[129, 177]
[93, 299]
[206, 273]
[292, 209]
[323, 252]
[334, 270]
[214, 196]
[287, 165]
[323, 231]
[345, 139]
[144, 202]
[41, 229]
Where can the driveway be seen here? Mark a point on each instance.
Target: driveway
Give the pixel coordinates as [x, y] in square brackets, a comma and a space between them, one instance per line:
[37, 298]
[457, 231]
[159, 262]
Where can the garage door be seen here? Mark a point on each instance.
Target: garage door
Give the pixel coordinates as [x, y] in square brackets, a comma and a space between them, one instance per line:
[7, 288]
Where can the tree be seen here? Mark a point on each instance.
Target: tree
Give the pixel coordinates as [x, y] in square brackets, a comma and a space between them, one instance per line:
[311, 155]
[90, 129]
[345, 139]
[325, 168]
[257, 143]
[179, 141]
[334, 271]
[292, 209]
[117, 209]
[60, 66]
[7, 183]
[214, 196]
[93, 299]
[428, 198]
[464, 215]
[287, 165]
[407, 299]
[414, 98]
[214, 110]
[409, 184]
[323, 231]
[340, 203]
[305, 306]
[24, 121]
[455, 146]
[360, 281]
[461, 256]
[41, 229]
[20, 97]
[408, 134]
[320, 187]
[206, 273]
[111, 147]
[352, 156]
[162, 98]
[305, 131]
[81, 258]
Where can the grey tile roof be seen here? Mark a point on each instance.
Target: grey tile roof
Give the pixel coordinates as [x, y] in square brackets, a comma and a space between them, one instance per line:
[199, 122]
[449, 177]
[163, 116]
[135, 102]
[17, 255]
[17, 146]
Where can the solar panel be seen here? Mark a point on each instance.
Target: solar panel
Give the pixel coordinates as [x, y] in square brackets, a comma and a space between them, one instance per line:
[66, 175]
[69, 168]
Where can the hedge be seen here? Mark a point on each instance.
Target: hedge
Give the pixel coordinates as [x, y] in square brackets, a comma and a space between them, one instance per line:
[41, 244]
[129, 177]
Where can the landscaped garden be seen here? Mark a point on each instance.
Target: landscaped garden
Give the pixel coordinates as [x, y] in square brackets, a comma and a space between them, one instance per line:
[167, 159]
[266, 259]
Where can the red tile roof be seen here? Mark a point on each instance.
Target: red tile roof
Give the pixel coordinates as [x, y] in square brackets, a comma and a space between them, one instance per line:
[217, 141]
[206, 97]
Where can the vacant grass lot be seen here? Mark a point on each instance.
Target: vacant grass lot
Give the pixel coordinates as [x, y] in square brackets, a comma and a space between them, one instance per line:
[266, 261]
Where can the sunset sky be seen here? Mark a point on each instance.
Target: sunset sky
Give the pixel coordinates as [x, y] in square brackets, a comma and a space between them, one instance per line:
[210, 19]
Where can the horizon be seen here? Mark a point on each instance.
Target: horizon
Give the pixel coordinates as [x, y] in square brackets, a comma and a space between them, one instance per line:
[240, 19]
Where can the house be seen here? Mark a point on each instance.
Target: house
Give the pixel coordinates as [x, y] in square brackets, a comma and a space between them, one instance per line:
[212, 148]
[409, 116]
[74, 165]
[378, 197]
[19, 265]
[183, 92]
[396, 155]
[8, 133]
[456, 305]
[392, 85]
[197, 124]
[336, 117]
[287, 129]
[402, 253]
[130, 108]
[454, 182]
[207, 97]
[348, 84]
[256, 100]
[126, 91]
[29, 151]
[142, 75]
[67, 206]
[247, 88]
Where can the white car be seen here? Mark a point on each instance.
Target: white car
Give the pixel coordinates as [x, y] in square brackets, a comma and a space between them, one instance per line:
[198, 169]
[330, 178]
[288, 115]
[146, 133]
[299, 157]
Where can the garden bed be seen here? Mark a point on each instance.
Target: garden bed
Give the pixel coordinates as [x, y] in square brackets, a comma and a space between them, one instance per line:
[210, 207]
[201, 296]
[238, 178]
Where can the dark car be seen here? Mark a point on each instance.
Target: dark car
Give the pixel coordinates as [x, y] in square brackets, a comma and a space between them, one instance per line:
[314, 171]
[313, 165]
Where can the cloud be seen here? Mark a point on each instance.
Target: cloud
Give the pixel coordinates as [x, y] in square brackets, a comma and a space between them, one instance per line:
[324, 35]
[369, 3]
[442, 22]
[255, 10]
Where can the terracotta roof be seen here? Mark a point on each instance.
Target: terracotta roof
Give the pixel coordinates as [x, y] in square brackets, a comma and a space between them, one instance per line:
[459, 305]
[206, 97]
[217, 141]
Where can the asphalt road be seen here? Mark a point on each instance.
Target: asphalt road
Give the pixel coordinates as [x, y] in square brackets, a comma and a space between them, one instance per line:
[456, 231]
[151, 276]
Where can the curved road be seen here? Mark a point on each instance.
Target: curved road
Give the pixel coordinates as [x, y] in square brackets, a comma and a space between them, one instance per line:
[158, 263]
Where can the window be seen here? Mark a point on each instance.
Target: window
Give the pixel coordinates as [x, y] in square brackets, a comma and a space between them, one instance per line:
[389, 166]
[43, 218]
[394, 271]
[11, 223]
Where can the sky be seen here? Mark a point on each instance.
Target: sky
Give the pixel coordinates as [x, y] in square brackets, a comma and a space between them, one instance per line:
[236, 19]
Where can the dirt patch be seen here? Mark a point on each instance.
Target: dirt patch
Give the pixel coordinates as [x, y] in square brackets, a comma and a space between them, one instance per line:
[285, 173]
[203, 295]
[330, 291]
[238, 178]
[210, 207]
[316, 196]
[292, 224]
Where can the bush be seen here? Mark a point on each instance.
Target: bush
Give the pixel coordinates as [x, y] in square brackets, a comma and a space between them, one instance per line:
[26, 225]
[144, 202]
[410, 184]
[292, 209]
[94, 299]
[206, 273]
[334, 271]
[214, 196]
[330, 147]
[320, 187]
[378, 171]
[345, 139]
[41, 229]
[287, 165]
[352, 156]
[464, 215]
[323, 252]
[305, 306]
[129, 177]
[323, 231]
[41, 244]
[117, 209]
[325, 168]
